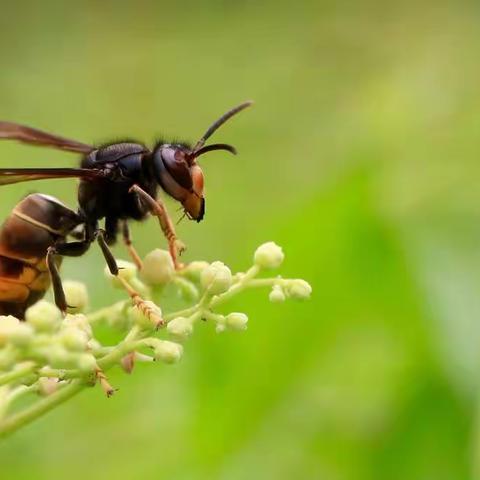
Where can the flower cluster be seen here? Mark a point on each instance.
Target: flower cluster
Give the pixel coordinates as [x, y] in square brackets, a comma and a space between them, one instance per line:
[55, 356]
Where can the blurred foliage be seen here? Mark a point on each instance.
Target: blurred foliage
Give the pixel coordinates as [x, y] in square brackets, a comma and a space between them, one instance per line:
[360, 157]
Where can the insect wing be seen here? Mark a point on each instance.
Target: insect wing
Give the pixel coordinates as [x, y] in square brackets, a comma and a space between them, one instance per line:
[33, 136]
[17, 175]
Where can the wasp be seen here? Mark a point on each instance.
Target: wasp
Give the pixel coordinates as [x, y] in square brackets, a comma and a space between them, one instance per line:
[118, 182]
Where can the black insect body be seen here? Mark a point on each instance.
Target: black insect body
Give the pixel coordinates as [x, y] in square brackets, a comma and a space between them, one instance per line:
[118, 182]
[122, 165]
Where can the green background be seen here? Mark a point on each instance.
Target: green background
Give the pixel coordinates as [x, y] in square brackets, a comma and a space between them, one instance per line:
[360, 157]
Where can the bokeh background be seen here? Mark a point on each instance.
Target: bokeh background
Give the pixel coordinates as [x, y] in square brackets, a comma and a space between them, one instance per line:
[360, 158]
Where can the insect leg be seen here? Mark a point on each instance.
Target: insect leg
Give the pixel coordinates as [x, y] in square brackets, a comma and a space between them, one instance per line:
[147, 309]
[72, 249]
[127, 239]
[111, 230]
[157, 207]
[107, 253]
[58, 292]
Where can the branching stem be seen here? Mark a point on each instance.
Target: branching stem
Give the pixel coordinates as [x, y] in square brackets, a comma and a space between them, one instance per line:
[91, 360]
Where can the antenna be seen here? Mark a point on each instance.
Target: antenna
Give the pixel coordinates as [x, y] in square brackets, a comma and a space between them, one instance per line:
[217, 124]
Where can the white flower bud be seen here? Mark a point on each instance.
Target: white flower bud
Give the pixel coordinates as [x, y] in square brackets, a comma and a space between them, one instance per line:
[78, 321]
[193, 270]
[86, 362]
[44, 316]
[47, 386]
[120, 317]
[59, 357]
[74, 339]
[14, 331]
[93, 345]
[76, 295]
[217, 278]
[140, 319]
[158, 267]
[168, 352]
[220, 321]
[237, 321]
[180, 328]
[126, 270]
[220, 328]
[299, 289]
[268, 256]
[21, 335]
[277, 295]
[7, 321]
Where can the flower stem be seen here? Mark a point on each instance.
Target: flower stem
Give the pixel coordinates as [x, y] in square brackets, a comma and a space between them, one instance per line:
[237, 288]
[105, 312]
[80, 374]
[17, 374]
[39, 408]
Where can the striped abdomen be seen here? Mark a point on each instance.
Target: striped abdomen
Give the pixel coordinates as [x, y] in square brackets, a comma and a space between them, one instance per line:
[35, 224]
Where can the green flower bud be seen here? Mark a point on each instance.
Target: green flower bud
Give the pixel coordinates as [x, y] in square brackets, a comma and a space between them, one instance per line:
[86, 362]
[217, 278]
[126, 270]
[277, 295]
[168, 352]
[158, 267]
[74, 339]
[180, 328]
[236, 321]
[299, 289]
[268, 256]
[44, 316]
[193, 270]
[77, 296]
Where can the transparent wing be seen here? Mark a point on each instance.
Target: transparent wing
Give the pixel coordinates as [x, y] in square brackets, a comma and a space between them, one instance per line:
[32, 136]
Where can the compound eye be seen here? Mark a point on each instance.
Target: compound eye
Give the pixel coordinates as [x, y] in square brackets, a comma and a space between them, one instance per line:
[168, 154]
[177, 166]
[180, 156]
